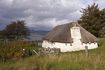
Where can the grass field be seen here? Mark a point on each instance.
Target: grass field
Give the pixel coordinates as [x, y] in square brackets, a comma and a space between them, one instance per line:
[65, 61]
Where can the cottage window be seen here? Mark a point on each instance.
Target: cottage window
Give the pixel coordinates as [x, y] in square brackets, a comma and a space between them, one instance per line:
[70, 44]
[53, 43]
[94, 42]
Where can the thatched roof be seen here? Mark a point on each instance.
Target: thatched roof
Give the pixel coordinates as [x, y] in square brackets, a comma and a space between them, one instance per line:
[62, 33]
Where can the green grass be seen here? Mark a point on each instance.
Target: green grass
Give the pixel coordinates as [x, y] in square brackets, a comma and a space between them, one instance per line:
[65, 61]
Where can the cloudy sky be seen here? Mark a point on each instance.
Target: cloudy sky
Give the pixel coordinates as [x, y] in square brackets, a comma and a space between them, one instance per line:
[43, 14]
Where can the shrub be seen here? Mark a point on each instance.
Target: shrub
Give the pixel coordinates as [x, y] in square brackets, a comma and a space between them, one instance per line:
[16, 49]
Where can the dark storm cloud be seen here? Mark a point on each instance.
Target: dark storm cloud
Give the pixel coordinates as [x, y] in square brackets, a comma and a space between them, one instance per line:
[42, 14]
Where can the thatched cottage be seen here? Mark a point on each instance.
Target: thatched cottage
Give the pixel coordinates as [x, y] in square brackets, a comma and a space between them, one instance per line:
[69, 37]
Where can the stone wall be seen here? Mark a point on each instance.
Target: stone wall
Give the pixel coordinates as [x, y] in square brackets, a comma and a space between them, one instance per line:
[49, 51]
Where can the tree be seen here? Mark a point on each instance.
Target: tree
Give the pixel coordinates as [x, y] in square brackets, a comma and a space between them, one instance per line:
[93, 20]
[1, 36]
[16, 30]
[102, 21]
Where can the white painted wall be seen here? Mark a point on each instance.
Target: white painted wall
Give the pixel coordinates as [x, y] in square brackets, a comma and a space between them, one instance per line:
[75, 33]
[77, 45]
[67, 47]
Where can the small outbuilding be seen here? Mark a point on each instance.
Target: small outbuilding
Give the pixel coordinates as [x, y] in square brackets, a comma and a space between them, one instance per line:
[69, 37]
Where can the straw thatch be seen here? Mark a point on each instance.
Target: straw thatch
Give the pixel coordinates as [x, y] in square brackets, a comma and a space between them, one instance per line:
[62, 33]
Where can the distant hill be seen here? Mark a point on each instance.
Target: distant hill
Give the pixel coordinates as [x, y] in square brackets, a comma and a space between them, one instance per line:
[37, 35]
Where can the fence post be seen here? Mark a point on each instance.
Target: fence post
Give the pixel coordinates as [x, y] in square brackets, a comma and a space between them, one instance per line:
[86, 50]
[36, 52]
